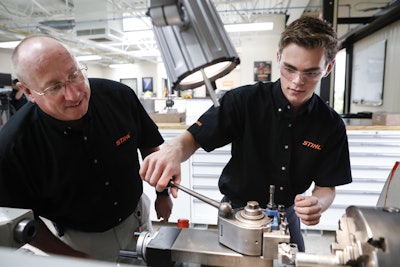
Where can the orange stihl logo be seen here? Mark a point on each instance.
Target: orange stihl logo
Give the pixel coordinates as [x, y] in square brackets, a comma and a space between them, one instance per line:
[123, 139]
[311, 145]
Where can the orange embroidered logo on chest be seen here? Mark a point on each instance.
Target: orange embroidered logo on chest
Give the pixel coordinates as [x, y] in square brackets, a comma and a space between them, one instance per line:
[311, 145]
[123, 139]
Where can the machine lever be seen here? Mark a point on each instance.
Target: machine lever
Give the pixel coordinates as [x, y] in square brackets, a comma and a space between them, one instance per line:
[195, 194]
[128, 254]
[224, 208]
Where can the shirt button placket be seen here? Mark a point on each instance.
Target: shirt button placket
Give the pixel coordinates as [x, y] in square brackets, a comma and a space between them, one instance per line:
[115, 205]
[67, 130]
[286, 155]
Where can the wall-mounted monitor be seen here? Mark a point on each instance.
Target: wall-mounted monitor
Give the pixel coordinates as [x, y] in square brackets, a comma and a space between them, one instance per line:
[5, 80]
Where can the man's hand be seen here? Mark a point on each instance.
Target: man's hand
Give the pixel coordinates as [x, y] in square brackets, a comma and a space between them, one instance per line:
[163, 206]
[310, 208]
[159, 167]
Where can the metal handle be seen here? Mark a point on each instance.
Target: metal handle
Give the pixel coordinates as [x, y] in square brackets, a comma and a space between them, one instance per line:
[128, 254]
[196, 195]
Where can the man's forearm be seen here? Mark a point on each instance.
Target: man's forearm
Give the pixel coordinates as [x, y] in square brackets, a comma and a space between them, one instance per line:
[186, 144]
[325, 196]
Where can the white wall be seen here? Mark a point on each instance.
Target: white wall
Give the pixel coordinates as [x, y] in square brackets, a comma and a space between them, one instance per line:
[96, 71]
[136, 70]
[5, 59]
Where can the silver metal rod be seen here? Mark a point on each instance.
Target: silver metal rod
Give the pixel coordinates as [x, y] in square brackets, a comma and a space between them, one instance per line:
[196, 195]
[128, 254]
[210, 89]
[316, 260]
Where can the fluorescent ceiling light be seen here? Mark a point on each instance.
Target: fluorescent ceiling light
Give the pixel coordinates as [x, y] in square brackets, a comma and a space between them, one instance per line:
[11, 44]
[249, 27]
[140, 34]
[124, 65]
[88, 57]
[136, 24]
[146, 53]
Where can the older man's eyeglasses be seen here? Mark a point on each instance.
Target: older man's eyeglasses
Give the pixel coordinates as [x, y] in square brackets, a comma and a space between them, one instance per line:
[307, 76]
[74, 79]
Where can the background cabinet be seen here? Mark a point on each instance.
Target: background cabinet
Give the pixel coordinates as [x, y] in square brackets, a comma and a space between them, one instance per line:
[372, 156]
[182, 204]
[206, 168]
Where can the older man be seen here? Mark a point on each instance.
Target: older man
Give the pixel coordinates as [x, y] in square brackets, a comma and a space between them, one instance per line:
[70, 154]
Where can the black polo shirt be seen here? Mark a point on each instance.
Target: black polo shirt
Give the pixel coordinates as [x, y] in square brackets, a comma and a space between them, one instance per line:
[271, 146]
[84, 174]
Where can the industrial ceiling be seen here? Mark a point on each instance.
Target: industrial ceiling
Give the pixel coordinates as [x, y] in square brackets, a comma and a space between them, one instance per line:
[96, 26]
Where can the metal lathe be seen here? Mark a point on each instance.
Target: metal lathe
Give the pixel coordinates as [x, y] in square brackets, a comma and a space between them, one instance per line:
[249, 236]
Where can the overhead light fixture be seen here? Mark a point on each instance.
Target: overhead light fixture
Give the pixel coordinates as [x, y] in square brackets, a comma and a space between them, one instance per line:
[138, 34]
[145, 53]
[249, 27]
[88, 58]
[122, 65]
[10, 45]
[136, 24]
[195, 48]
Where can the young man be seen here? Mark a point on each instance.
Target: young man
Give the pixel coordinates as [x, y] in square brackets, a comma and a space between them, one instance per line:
[70, 154]
[281, 133]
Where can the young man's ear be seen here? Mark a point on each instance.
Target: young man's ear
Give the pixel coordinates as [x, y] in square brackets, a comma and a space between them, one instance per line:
[329, 68]
[278, 56]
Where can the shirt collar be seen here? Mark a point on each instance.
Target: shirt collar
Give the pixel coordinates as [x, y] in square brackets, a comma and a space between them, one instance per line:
[63, 126]
[283, 105]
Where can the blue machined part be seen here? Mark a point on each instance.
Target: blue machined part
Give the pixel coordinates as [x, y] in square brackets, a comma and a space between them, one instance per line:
[272, 210]
[275, 221]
